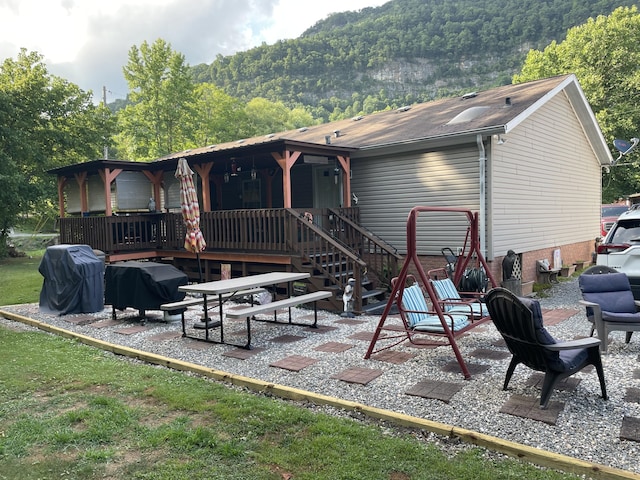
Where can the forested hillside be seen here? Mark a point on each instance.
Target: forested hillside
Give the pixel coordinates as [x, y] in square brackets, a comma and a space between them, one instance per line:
[402, 52]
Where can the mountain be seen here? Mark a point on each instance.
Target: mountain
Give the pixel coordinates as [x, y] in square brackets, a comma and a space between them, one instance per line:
[402, 52]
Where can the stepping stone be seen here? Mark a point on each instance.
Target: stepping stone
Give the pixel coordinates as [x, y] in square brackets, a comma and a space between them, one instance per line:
[435, 389]
[529, 407]
[556, 315]
[243, 353]
[474, 368]
[632, 395]
[106, 323]
[364, 336]
[392, 356]
[630, 429]
[131, 330]
[295, 363]
[333, 347]
[490, 354]
[358, 375]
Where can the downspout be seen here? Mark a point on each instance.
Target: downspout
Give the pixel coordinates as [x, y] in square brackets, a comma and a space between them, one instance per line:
[482, 222]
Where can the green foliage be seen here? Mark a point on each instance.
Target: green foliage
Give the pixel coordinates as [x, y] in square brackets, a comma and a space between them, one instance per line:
[156, 122]
[411, 50]
[45, 122]
[604, 56]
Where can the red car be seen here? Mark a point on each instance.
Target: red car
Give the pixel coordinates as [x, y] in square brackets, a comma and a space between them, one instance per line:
[609, 215]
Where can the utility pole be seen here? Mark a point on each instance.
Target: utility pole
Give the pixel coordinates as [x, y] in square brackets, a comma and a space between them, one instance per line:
[104, 100]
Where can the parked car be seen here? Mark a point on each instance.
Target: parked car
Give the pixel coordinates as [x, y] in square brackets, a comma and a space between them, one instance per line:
[609, 215]
[620, 248]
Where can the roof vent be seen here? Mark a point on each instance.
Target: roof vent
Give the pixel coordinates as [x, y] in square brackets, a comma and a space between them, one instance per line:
[358, 117]
[186, 151]
[327, 139]
[240, 141]
[270, 135]
[507, 101]
[469, 95]
[336, 133]
[213, 146]
[303, 129]
[404, 109]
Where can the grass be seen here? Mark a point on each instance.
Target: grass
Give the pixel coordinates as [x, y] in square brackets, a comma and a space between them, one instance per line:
[71, 411]
[20, 281]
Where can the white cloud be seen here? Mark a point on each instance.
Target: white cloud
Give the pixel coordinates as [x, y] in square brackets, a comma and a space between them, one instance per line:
[87, 42]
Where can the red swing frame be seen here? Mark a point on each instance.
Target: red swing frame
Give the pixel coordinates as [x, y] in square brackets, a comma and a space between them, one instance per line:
[470, 250]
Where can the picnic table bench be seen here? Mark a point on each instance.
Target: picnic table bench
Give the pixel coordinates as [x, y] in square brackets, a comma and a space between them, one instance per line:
[250, 312]
[182, 305]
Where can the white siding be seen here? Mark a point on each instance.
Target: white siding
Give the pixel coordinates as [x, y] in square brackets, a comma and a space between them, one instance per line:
[389, 187]
[544, 183]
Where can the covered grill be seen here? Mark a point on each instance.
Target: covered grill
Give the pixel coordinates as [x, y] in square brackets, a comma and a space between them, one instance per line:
[142, 285]
[73, 280]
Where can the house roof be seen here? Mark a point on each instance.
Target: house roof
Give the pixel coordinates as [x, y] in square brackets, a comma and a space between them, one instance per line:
[498, 110]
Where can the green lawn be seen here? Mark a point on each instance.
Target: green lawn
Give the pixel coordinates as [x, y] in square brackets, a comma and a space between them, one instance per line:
[74, 412]
[20, 281]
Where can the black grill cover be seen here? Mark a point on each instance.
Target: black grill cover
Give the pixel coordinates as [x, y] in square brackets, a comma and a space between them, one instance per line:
[143, 285]
[73, 280]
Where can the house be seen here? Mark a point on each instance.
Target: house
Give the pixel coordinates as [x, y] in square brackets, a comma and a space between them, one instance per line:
[526, 157]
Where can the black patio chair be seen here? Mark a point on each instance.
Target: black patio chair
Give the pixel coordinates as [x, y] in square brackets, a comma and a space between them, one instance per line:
[519, 321]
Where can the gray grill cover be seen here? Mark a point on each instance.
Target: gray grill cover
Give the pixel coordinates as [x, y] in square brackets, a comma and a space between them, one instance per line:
[73, 280]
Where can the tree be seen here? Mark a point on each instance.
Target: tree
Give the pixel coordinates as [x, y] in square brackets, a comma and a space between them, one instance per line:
[220, 117]
[161, 86]
[266, 117]
[45, 122]
[604, 56]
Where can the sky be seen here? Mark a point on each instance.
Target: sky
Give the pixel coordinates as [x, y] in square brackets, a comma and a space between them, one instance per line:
[87, 41]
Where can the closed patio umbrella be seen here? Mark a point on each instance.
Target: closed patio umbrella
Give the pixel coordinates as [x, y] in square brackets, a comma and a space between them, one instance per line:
[194, 240]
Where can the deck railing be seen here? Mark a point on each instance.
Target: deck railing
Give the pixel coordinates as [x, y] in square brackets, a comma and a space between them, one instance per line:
[330, 239]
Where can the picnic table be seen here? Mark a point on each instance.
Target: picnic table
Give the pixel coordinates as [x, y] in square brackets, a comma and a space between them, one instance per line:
[224, 289]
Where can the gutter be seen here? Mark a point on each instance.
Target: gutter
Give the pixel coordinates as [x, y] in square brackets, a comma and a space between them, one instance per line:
[533, 455]
[482, 219]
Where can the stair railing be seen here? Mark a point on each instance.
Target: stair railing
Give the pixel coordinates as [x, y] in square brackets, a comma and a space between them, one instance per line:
[327, 254]
[382, 259]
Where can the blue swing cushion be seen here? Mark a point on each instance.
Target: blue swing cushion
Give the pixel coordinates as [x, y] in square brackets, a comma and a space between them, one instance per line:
[420, 319]
[446, 290]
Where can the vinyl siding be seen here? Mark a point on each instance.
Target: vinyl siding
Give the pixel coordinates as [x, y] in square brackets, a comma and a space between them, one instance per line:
[544, 183]
[389, 187]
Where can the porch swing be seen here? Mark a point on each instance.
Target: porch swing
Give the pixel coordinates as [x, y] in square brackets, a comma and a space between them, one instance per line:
[433, 324]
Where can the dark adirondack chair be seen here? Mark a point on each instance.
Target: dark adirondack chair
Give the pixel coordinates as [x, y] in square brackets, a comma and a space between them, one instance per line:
[519, 321]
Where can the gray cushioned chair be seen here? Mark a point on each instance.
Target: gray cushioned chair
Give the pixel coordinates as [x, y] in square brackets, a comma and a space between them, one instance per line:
[519, 321]
[610, 305]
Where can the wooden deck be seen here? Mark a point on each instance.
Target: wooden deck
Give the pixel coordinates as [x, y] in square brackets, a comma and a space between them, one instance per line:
[332, 247]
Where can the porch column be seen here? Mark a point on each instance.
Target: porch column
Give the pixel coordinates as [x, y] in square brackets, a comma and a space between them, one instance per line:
[286, 162]
[203, 171]
[345, 163]
[62, 181]
[81, 180]
[156, 180]
[108, 176]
